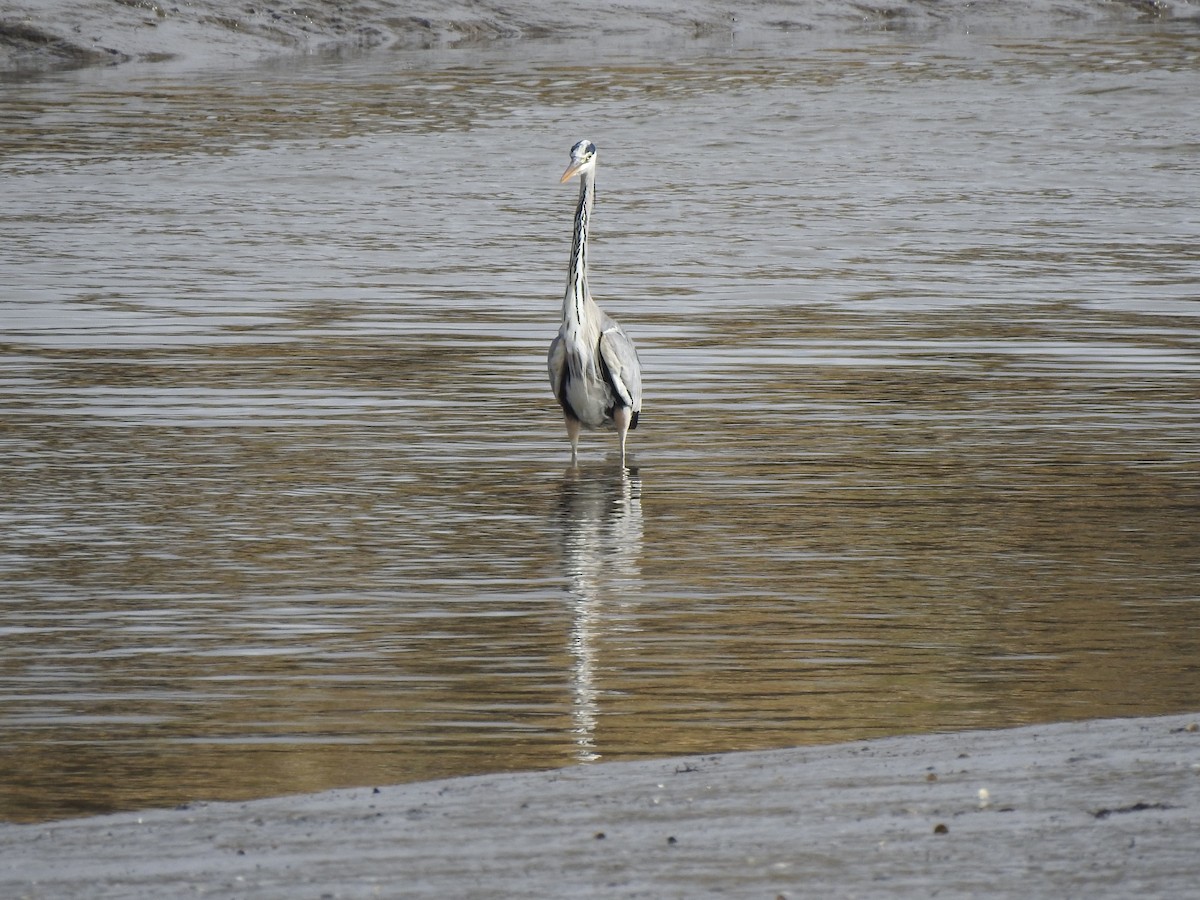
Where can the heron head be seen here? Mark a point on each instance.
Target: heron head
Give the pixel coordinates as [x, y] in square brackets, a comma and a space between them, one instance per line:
[583, 158]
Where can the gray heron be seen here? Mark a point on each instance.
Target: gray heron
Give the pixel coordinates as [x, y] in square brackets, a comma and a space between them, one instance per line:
[593, 365]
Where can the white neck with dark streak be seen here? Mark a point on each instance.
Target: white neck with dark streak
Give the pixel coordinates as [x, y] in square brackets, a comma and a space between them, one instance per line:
[577, 286]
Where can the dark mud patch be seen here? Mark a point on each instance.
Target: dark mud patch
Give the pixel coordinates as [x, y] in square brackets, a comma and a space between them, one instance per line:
[26, 44]
[43, 34]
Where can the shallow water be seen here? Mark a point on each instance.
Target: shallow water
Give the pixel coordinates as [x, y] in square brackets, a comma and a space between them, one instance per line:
[286, 501]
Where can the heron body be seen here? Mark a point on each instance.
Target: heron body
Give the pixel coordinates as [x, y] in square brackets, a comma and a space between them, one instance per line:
[593, 365]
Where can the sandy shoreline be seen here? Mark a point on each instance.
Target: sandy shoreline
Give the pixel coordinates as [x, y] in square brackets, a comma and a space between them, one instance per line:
[1106, 808]
[40, 34]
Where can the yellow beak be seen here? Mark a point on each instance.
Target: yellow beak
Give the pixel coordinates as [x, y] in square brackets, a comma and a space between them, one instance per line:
[572, 171]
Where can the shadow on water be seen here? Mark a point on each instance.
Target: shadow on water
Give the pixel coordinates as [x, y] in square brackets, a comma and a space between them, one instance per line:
[601, 522]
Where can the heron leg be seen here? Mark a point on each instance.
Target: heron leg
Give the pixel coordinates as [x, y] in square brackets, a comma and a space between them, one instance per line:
[622, 416]
[573, 429]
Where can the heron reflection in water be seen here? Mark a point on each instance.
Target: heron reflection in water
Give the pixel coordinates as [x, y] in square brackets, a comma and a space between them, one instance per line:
[593, 365]
[601, 525]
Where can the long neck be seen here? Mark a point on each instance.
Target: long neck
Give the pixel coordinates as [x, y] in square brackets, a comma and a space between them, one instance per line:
[577, 294]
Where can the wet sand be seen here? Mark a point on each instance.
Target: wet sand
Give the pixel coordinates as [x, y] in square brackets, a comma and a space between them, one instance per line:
[1105, 808]
[36, 34]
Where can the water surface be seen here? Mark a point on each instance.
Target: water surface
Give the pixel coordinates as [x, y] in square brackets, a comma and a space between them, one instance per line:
[286, 503]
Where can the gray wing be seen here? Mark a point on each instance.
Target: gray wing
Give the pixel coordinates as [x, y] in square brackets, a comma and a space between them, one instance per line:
[556, 362]
[620, 356]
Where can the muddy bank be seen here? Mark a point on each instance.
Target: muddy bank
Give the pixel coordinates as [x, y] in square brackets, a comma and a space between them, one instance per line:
[55, 33]
[1099, 809]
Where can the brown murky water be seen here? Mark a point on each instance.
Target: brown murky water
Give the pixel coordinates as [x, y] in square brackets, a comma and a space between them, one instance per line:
[285, 501]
